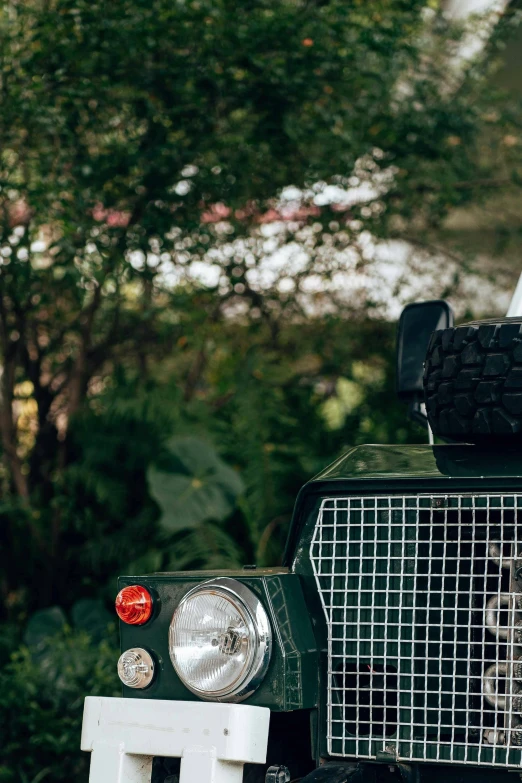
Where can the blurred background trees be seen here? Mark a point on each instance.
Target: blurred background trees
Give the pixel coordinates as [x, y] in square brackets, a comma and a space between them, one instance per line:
[210, 216]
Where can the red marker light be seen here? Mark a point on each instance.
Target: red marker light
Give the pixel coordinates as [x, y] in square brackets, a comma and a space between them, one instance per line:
[134, 605]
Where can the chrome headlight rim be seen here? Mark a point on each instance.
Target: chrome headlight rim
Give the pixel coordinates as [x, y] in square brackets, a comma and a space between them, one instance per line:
[258, 624]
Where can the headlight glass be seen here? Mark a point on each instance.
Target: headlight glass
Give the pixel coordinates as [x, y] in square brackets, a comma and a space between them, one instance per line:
[220, 640]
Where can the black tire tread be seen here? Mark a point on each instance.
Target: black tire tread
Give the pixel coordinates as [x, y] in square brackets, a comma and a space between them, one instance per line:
[473, 380]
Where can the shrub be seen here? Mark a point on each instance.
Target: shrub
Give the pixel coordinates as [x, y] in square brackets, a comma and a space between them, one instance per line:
[41, 704]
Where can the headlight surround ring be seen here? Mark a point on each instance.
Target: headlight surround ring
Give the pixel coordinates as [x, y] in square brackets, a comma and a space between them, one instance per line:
[256, 639]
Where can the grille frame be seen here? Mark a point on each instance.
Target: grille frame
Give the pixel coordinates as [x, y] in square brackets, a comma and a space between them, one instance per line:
[331, 543]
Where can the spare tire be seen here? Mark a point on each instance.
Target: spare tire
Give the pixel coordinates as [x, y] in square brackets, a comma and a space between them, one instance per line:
[473, 380]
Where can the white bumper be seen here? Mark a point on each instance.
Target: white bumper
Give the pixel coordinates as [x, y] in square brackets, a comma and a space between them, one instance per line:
[214, 741]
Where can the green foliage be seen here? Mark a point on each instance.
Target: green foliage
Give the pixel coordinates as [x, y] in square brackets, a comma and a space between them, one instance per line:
[42, 689]
[208, 547]
[87, 615]
[346, 399]
[192, 484]
[136, 93]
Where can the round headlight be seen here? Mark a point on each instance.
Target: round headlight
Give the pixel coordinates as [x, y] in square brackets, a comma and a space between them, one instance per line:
[220, 640]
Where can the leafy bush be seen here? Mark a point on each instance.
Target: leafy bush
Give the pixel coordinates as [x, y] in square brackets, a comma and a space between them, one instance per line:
[41, 705]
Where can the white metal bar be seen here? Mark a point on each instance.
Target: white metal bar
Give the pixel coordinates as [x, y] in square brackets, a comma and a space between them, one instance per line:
[515, 306]
[214, 741]
[109, 762]
[202, 764]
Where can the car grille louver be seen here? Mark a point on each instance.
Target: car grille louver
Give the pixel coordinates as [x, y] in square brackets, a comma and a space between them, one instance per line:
[422, 601]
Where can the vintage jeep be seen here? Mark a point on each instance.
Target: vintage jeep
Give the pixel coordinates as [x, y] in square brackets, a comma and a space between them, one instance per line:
[388, 647]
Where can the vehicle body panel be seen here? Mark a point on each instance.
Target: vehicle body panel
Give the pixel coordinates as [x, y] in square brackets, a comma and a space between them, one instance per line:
[390, 470]
[292, 678]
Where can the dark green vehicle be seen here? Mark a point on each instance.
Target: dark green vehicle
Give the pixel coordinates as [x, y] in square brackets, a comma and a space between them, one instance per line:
[388, 647]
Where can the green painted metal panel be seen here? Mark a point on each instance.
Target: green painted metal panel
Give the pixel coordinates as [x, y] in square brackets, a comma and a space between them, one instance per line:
[395, 469]
[291, 682]
[423, 462]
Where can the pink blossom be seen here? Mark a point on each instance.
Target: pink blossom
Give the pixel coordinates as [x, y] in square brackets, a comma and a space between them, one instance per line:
[215, 213]
[113, 218]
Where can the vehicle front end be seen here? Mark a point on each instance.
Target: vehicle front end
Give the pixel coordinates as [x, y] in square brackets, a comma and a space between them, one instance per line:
[209, 662]
[388, 648]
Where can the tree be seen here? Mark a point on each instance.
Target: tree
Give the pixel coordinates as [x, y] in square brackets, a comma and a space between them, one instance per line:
[141, 139]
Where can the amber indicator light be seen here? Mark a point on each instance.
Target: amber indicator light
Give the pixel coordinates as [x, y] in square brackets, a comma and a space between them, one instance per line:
[134, 605]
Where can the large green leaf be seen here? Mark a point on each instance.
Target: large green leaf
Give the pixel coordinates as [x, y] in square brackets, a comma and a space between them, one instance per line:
[192, 484]
[42, 625]
[90, 615]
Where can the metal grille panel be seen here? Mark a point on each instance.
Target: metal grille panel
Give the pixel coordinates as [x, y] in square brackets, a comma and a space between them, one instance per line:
[421, 599]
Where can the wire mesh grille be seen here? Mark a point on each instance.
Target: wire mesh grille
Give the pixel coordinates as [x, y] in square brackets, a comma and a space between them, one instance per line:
[424, 612]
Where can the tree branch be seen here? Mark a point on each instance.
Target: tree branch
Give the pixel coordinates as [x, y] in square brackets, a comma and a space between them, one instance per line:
[7, 422]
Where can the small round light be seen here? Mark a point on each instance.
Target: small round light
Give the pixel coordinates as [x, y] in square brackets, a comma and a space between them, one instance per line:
[136, 668]
[220, 640]
[134, 605]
